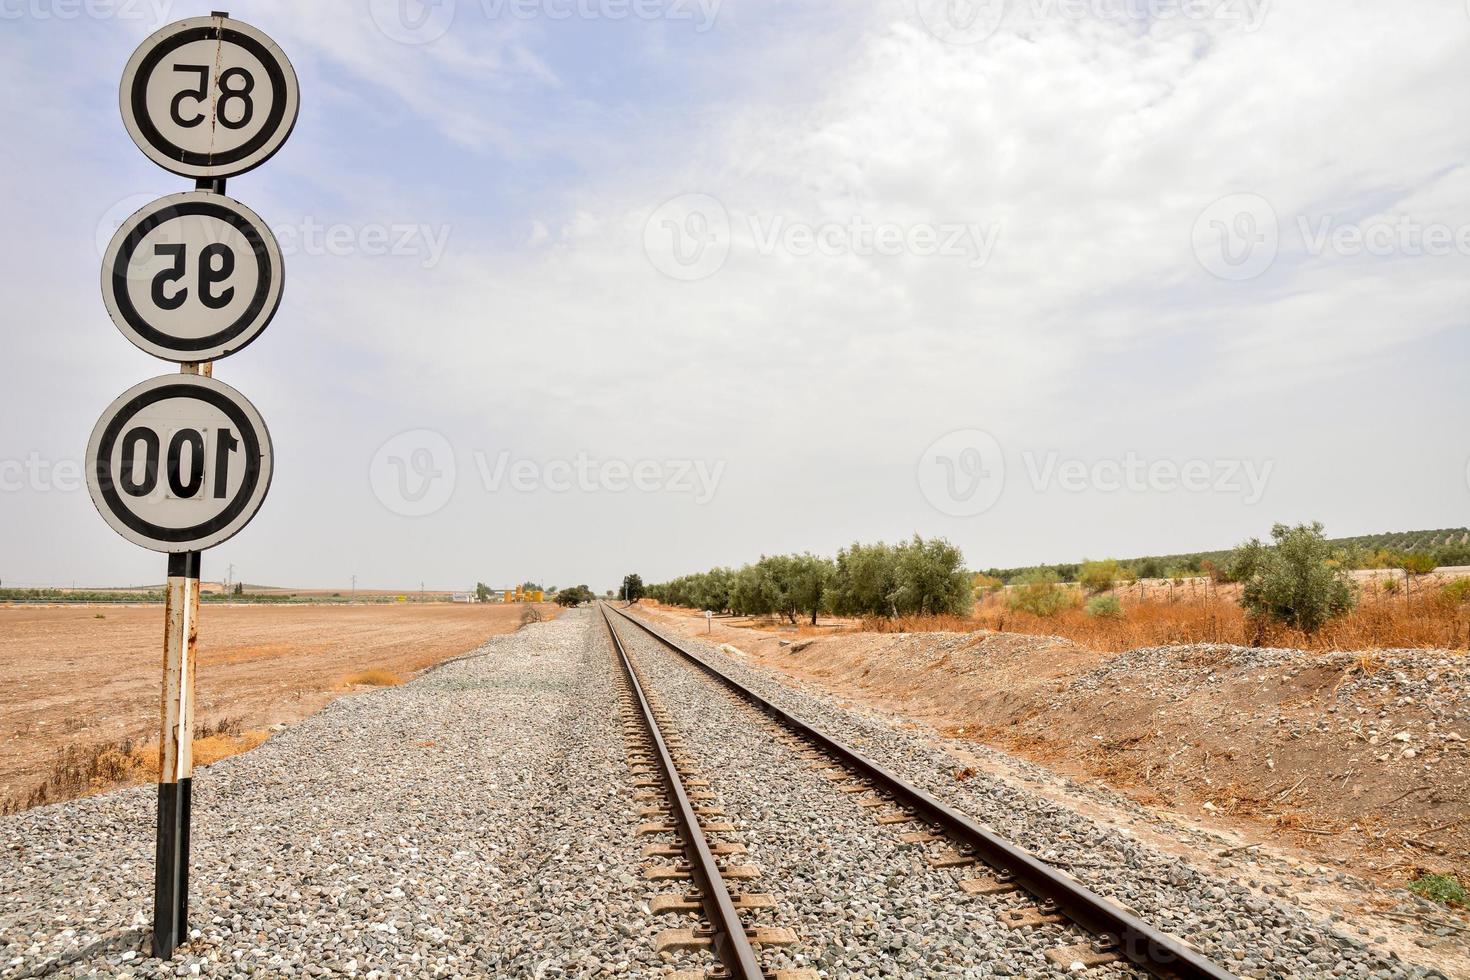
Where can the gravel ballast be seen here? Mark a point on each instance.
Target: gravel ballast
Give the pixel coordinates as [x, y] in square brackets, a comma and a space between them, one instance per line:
[473, 822]
[1251, 935]
[862, 903]
[478, 822]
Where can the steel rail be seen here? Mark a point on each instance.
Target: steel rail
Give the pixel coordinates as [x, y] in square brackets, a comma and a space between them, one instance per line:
[732, 945]
[1130, 937]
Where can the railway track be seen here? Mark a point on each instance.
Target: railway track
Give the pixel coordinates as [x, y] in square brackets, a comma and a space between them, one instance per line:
[726, 931]
[1118, 936]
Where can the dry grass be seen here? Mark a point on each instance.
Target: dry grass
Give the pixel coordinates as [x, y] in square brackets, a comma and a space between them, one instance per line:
[1206, 614]
[920, 624]
[373, 677]
[83, 770]
[80, 770]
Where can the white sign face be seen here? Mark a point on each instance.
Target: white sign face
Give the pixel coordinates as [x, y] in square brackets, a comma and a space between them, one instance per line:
[209, 97]
[192, 277]
[179, 463]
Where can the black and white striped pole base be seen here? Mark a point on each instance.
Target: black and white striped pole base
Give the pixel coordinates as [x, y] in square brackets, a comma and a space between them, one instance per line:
[176, 756]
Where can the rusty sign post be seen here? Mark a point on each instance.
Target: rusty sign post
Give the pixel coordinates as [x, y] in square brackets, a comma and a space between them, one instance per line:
[176, 760]
[182, 462]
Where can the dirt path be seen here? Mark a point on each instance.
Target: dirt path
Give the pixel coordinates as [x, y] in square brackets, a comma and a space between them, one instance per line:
[84, 675]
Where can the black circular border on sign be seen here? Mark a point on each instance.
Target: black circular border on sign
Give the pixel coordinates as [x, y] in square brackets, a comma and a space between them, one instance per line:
[219, 400]
[139, 98]
[242, 323]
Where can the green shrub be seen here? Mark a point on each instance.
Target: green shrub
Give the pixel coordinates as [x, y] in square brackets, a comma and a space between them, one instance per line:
[1099, 576]
[1105, 607]
[1444, 889]
[1294, 581]
[1039, 593]
[1457, 591]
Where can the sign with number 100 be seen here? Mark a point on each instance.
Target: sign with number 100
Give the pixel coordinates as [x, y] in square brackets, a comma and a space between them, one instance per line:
[209, 97]
[179, 463]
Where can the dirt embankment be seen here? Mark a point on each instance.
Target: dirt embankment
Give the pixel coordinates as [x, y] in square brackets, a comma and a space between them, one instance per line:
[1332, 753]
[83, 676]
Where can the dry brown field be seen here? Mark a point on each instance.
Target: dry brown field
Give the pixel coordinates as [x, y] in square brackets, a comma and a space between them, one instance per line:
[82, 676]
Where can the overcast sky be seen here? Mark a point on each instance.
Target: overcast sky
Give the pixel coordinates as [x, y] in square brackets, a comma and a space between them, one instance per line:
[580, 287]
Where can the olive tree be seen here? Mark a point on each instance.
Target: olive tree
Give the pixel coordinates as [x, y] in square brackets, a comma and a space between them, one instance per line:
[931, 579]
[864, 580]
[1098, 577]
[1294, 580]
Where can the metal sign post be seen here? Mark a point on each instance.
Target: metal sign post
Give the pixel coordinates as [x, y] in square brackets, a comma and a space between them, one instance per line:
[183, 462]
[176, 759]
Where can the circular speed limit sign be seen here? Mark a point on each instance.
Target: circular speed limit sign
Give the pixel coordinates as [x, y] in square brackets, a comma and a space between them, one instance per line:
[209, 97]
[192, 277]
[179, 463]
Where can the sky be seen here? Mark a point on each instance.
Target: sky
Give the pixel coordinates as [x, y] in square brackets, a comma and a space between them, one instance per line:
[576, 288]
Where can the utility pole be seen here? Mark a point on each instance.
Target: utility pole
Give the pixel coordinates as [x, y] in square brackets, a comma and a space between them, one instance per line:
[354, 588]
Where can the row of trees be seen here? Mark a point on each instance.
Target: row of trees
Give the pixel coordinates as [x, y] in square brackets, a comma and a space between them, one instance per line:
[1451, 548]
[1298, 579]
[918, 577]
[575, 596]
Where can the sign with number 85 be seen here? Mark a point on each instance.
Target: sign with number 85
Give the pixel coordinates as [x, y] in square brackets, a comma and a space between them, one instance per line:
[209, 97]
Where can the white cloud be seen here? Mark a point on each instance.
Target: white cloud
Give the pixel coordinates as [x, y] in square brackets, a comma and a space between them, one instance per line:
[1090, 146]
